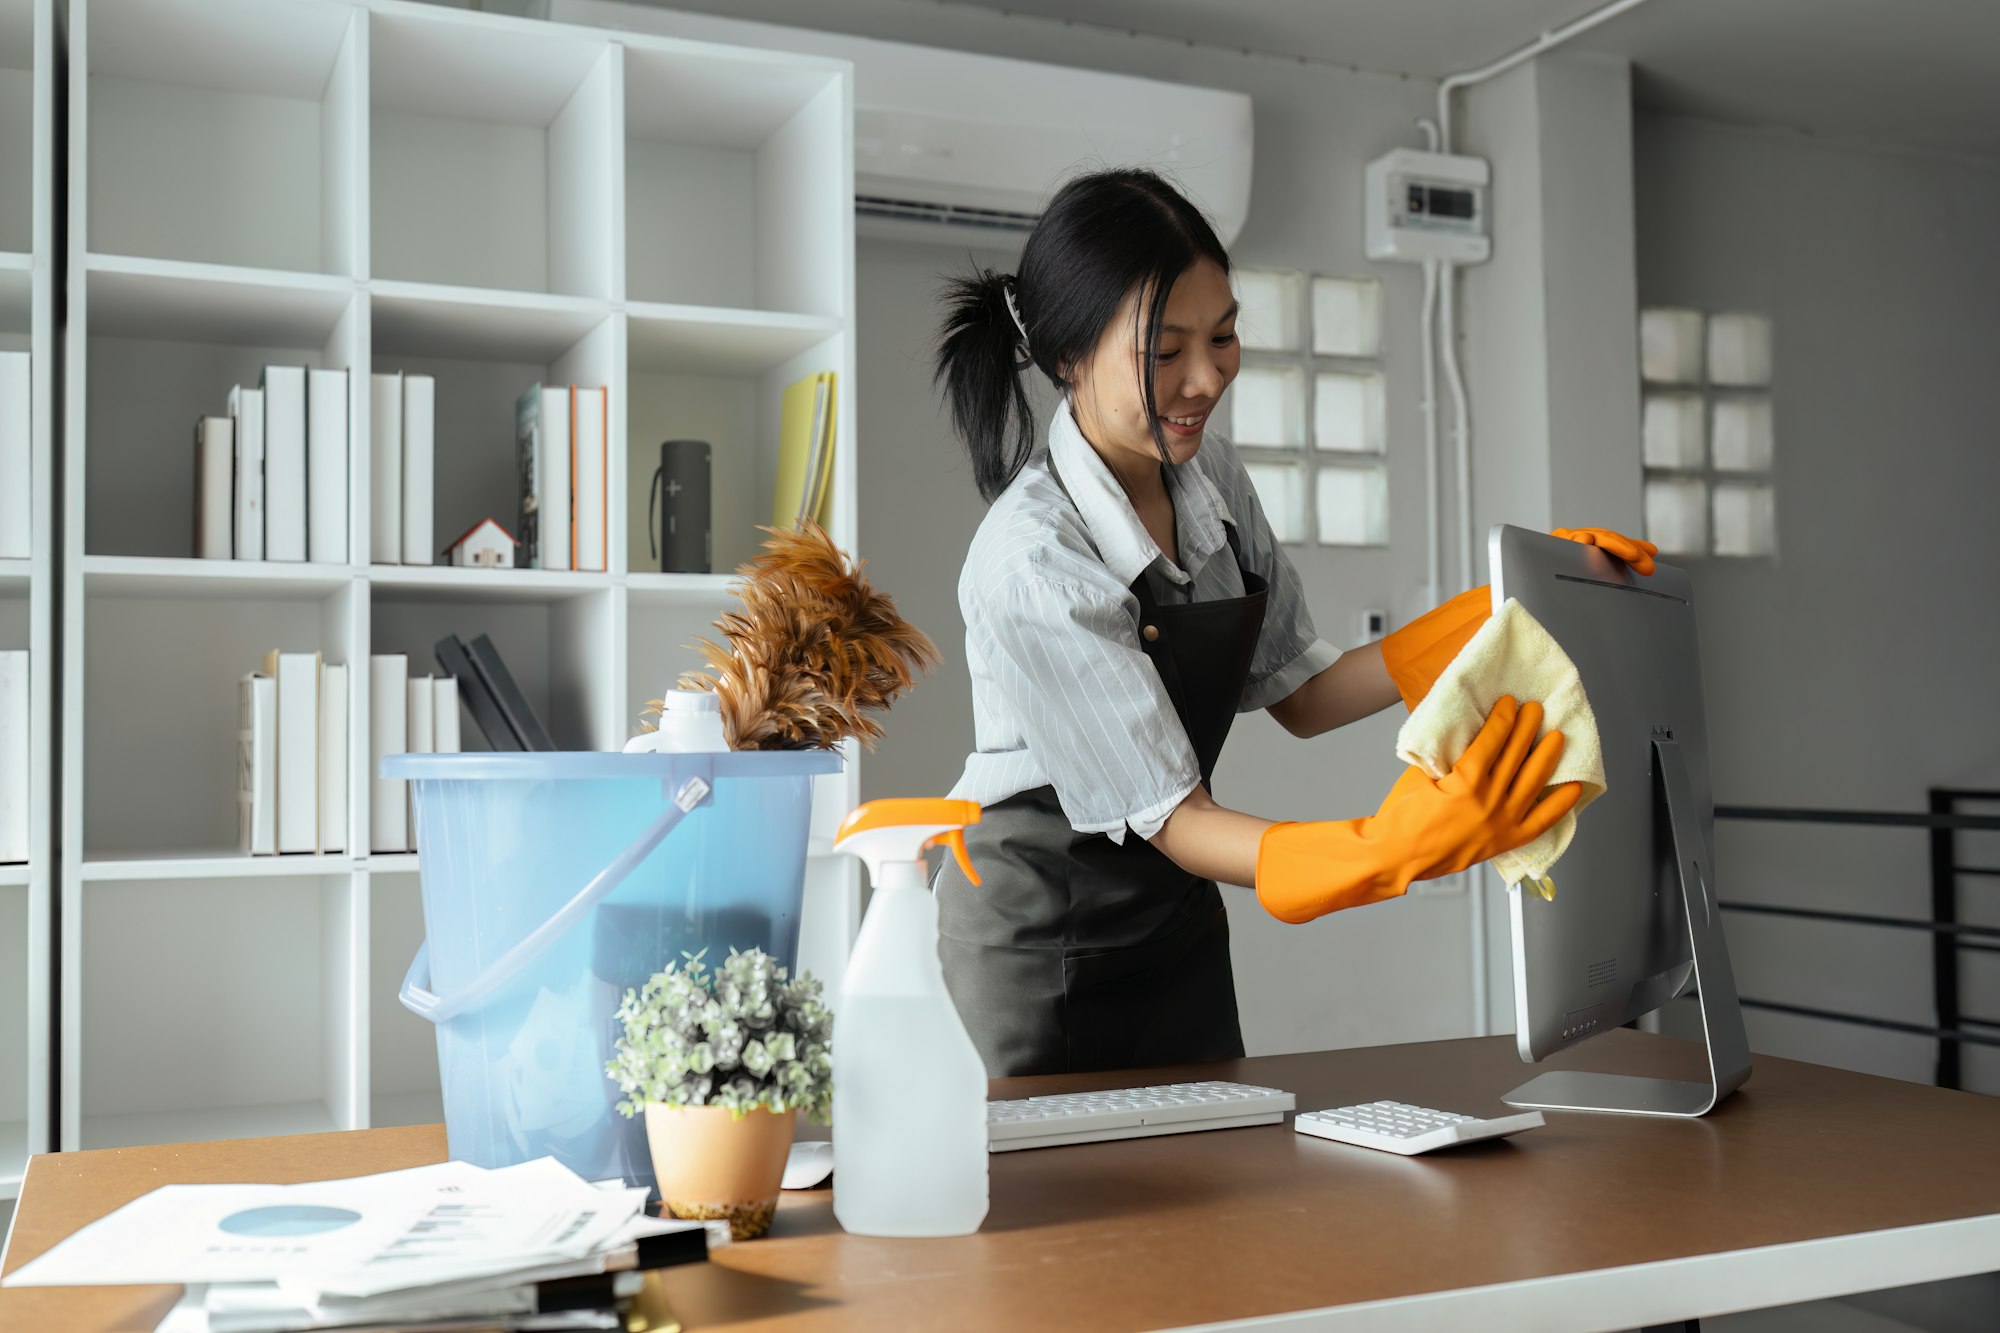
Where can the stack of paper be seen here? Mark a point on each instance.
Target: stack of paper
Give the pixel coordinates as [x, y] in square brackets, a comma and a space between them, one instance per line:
[529, 1246]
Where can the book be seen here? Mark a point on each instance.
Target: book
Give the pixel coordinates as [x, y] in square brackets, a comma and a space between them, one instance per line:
[284, 462]
[385, 488]
[444, 716]
[257, 765]
[246, 410]
[214, 487]
[16, 450]
[333, 758]
[388, 708]
[499, 682]
[326, 466]
[419, 427]
[417, 736]
[14, 775]
[591, 447]
[557, 508]
[297, 677]
[542, 455]
[456, 662]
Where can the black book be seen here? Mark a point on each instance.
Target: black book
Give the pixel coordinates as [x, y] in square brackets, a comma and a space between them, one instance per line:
[527, 727]
[673, 1247]
[478, 700]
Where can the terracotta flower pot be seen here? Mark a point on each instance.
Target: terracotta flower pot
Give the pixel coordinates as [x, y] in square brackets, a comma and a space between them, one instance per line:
[712, 1165]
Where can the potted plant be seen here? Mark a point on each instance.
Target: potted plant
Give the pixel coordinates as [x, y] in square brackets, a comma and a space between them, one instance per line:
[721, 1061]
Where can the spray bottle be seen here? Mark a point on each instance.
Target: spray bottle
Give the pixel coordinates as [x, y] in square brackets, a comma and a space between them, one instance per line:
[909, 1088]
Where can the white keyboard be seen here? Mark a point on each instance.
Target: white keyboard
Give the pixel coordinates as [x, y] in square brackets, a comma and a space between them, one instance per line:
[1401, 1128]
[1130, 1113]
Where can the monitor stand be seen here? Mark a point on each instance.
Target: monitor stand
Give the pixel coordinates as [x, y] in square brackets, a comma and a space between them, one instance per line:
[1721, 1016]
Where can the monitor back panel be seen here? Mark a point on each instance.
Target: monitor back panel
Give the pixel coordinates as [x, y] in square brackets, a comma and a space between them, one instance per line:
[1613, 944]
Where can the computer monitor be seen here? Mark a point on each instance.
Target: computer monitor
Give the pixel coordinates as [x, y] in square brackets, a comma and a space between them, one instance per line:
[1634, 919]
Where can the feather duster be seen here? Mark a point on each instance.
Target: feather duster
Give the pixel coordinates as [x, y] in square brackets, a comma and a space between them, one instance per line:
[811, 653]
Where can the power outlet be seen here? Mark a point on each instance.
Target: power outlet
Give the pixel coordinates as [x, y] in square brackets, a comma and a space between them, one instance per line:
[1373, 625]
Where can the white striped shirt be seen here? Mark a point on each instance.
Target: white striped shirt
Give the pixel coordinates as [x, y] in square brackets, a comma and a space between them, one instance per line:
[1062, 693]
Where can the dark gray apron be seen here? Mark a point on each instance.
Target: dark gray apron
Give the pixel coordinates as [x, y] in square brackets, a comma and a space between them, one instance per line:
[1076, 953]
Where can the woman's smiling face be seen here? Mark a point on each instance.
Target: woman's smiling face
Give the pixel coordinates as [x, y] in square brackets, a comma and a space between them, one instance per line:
[1198, 358]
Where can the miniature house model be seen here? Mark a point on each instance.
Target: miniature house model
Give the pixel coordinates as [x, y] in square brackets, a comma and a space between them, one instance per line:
[487, 545]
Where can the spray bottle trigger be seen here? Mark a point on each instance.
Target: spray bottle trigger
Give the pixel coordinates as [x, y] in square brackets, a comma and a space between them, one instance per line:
[955, 839]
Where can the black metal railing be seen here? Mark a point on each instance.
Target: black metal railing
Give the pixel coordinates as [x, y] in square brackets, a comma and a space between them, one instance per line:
[1945, 821]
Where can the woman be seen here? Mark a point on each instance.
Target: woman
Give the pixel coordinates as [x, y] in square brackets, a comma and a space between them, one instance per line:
[1124, 598]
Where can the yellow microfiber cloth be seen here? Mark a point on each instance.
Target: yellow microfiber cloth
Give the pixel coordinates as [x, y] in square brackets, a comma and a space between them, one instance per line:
[1511, 654]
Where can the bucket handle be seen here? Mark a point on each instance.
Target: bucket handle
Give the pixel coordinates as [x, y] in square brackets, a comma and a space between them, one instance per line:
[417, 995]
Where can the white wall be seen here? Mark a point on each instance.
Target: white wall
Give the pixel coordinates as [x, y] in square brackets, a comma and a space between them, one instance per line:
[1398, 972]
[1547, 331]
[1857, 669]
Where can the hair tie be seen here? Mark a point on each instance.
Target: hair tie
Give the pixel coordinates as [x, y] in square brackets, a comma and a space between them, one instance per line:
[1014, 309]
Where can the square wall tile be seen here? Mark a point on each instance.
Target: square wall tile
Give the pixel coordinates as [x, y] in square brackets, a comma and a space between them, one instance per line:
[1348, 413]
[1677, 515]
[1267, 407]
[1347, 317]
[1673, 428]
[1353, 506]
[1742, 434]
[1271, 313]
[1739, 350]
[1745, 519]
[1281, 489]
[1670, 344]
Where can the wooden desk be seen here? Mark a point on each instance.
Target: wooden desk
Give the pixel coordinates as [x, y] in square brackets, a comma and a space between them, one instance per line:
[1809, 1183]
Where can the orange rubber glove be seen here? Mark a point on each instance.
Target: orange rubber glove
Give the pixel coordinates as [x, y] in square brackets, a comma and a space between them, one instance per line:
[1636, 553]
[1486, 805]
[1418, 653]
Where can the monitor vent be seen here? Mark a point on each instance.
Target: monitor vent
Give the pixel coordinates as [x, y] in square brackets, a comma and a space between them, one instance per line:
[1602, 974]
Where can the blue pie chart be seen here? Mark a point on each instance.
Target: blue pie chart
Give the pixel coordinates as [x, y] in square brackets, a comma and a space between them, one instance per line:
[288, 1219]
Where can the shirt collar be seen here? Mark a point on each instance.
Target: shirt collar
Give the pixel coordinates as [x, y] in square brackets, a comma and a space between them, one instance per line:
[1121, 539]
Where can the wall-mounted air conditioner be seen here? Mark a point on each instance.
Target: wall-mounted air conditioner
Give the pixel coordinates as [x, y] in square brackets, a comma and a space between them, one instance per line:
[966, 149]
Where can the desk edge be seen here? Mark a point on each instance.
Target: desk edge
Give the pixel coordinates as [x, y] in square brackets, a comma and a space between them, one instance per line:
[1693, 1287]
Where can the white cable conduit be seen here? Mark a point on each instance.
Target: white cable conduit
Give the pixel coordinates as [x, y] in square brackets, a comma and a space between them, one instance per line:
[1441, 286]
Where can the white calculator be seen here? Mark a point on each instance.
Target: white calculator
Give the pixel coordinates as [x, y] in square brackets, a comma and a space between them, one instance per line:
[1401, 1128]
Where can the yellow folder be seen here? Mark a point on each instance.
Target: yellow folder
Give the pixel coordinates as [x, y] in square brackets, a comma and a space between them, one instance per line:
[805, 452]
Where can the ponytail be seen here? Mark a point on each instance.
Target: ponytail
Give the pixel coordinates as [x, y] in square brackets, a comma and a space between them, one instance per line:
[979, 359]
[1104, 234]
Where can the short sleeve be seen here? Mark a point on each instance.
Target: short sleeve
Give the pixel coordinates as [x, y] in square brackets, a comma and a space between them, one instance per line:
[1066, 658]
[1289, 651]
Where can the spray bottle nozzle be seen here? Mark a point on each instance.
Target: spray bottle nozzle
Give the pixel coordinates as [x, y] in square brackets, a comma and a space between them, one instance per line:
[882, 832]
[956, 841]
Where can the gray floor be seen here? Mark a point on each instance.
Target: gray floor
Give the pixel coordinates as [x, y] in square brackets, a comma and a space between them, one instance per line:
[1966, 1305]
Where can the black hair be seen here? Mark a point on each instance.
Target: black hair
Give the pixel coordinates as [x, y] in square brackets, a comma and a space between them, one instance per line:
[1102, 235]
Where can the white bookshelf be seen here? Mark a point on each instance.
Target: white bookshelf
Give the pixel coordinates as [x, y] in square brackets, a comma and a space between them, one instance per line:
[382, 186]
[30, 45]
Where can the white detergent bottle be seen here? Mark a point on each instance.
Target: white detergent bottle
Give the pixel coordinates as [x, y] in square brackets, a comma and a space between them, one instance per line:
[690, 722]
[909, 1088]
